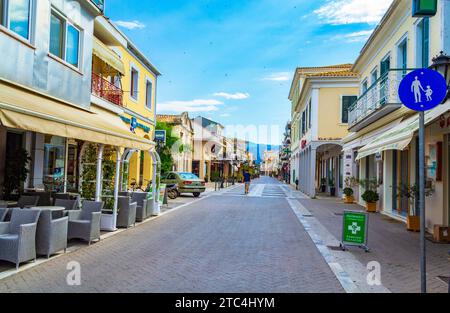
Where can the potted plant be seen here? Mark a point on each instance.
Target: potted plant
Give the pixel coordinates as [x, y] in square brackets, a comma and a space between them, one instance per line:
[411, 192]
[332, 187]
[350, 182]
[370, 196]
[323, 185]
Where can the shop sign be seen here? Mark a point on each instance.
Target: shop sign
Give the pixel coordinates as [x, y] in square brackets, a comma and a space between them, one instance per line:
[355, 228]
[423, 8]
[160, 136]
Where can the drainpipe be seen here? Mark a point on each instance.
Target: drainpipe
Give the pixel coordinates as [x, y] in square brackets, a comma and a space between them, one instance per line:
[99, 177]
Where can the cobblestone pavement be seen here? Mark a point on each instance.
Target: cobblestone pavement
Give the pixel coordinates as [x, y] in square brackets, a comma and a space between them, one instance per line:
[224, 243]
[396, 249]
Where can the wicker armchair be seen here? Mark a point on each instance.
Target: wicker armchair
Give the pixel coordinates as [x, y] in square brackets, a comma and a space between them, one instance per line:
[18, 237]
[51, 235]
[141, 209]
[127, 213]
[85, 224]
[27, 201]
[3, 212]
[68, 205]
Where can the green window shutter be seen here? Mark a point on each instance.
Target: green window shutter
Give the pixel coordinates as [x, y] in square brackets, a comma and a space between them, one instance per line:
[347, 101]
[425, 42]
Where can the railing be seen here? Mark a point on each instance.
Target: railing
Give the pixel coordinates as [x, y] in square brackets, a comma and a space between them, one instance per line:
[104, 89]
[100, 4]
[383, 92]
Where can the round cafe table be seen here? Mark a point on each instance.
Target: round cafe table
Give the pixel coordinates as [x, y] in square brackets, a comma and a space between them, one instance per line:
[57, 211]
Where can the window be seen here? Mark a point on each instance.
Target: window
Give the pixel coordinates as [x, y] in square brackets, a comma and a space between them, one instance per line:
[423, 43]
[373, 77]
[64, 40]
[303, 123]
[310, 114]
[56, 35]
[134, 83]
[347, 101]
[402, 56]
[364, 87]
[54, 162]
[15, 15]
[148, 94]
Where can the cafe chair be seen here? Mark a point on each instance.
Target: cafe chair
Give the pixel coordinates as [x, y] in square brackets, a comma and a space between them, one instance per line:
[18, 237]
[127, 213]
[27, 201]
[51, 235]
[85, 223]
[3, 212]
[141, 208]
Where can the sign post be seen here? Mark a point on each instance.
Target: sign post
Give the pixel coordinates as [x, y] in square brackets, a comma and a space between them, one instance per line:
[422, 90]
[355, 229]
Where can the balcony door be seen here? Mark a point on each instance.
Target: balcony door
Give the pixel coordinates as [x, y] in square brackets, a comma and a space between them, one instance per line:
[385, 65]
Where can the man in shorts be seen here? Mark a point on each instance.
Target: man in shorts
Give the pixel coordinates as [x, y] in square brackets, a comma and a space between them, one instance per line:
[247, 181]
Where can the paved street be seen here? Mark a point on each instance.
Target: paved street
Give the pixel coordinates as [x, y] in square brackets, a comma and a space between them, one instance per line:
[224, 243]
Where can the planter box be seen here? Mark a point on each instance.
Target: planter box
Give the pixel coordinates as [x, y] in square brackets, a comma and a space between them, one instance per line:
[107, 222]
[349, 200]
[413, 223]
[371, 207]
[441, 233]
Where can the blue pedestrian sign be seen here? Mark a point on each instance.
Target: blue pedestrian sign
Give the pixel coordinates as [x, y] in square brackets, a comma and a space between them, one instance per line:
[422, 90]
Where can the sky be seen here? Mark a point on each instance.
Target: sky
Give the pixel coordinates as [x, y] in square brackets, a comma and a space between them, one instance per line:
[233, 60]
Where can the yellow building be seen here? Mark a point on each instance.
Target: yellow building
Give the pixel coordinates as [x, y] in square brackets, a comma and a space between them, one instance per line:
[320, 98]
[382, 144]
[124, 81]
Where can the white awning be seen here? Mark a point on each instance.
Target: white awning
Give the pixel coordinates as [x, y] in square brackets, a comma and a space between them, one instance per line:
[399, 137]
[354, 140]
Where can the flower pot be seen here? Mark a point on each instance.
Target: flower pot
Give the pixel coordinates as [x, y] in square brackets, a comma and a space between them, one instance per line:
[333, 191]
[371, 207]
[107, 222]
[413, 223]
[349, 199]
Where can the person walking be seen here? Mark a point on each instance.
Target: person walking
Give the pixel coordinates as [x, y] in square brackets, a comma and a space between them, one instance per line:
[247, 181]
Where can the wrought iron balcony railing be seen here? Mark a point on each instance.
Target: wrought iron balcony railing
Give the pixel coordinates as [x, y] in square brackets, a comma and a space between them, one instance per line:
[381, 97]
[105, 90]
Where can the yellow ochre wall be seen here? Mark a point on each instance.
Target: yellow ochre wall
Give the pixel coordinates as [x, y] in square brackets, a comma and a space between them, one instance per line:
[330, 125]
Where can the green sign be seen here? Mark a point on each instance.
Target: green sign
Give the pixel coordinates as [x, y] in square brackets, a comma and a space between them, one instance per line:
[424, 8]
[355, 227]
[162, 191]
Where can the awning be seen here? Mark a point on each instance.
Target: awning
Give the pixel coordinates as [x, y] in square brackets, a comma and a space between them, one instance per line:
[23, 109]
[355, 140]
[399, 137]
[108, 56]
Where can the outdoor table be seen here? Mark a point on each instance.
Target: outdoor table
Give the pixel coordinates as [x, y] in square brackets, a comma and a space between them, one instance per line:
[12, 204]
[57, 211]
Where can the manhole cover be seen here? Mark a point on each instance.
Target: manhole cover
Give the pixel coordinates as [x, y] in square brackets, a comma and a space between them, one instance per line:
[334, 248]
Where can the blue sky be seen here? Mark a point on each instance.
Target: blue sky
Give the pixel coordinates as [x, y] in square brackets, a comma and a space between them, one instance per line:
[233, 60]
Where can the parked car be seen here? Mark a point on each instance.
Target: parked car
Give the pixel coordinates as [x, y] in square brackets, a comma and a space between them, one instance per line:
[186, 182]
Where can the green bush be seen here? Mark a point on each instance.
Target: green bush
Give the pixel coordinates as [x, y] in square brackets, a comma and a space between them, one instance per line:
[348, 192]
[370, 196]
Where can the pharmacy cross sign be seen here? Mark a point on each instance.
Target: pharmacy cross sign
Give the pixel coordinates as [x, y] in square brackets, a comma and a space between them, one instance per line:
[354, 229]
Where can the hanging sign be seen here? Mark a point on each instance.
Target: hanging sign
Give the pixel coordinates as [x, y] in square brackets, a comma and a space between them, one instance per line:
[422, 90]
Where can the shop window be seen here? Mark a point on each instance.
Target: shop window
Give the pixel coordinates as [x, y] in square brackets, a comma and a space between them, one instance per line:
[54, 163]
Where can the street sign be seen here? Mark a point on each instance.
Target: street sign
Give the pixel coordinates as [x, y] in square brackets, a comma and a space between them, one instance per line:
[355, 228]
[422, 90]
[160, 136]
[422, 8]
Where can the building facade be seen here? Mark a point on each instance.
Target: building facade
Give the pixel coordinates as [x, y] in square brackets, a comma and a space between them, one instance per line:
[320, 98]
[382, 145]
[51, 109]
[183, 150]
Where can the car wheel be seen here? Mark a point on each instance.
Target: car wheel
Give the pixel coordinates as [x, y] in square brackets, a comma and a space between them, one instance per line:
[196, 194]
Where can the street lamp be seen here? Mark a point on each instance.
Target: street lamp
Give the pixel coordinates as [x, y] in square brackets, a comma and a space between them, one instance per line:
[441, 64]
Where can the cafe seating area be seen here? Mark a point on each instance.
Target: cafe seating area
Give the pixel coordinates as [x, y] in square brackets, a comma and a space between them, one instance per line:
[29, 229]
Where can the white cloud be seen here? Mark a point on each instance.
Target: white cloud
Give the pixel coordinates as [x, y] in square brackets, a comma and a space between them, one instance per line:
[130, 24]
[339, 12]
[233, 96]
[278, 77]
[360, 36]
[225, 115]
[197, 105]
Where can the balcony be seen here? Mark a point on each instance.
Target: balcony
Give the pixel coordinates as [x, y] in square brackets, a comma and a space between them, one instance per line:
[105, 90]
[378, 101]
[100, 4]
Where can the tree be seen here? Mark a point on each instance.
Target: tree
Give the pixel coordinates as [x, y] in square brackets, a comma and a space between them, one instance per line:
[165, 151]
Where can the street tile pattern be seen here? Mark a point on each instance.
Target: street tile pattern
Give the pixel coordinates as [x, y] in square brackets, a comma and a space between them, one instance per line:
[219, 244]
